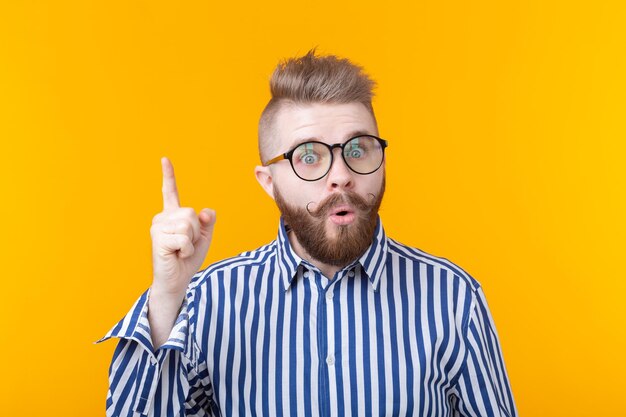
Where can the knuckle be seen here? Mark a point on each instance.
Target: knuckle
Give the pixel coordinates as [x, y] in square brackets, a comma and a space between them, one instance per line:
[180, 225]
[188, 212]
[184, 240]
[174, 213]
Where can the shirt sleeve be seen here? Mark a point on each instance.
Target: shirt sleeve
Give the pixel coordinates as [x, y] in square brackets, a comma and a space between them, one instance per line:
[173, 381]
[483, 387]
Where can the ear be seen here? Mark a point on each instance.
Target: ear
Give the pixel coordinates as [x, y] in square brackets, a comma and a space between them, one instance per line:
[264, 177]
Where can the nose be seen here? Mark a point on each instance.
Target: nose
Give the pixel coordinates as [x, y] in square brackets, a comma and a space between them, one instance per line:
[339, 176]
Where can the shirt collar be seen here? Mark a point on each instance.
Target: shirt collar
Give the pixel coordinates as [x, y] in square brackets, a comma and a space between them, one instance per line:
[287, 259]
[372, 261]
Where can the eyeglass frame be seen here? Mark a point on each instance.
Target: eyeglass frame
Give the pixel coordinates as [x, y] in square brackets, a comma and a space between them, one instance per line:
[289, 154]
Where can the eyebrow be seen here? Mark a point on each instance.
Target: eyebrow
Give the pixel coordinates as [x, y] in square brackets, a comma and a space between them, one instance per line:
[350, 135]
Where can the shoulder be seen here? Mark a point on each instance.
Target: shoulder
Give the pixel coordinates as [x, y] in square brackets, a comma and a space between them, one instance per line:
[418, 256]
[249, 259]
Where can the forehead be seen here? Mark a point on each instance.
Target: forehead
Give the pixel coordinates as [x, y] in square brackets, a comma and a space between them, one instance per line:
[330, 123]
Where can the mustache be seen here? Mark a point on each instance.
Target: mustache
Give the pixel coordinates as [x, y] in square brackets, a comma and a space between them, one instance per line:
[349, 197]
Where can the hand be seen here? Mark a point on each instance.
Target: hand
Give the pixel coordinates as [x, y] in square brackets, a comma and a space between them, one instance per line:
[180, 240]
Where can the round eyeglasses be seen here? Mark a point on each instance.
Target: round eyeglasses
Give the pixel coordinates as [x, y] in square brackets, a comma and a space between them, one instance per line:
[312, 160]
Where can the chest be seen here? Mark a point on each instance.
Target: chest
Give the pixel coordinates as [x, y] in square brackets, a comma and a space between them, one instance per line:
[331, 349]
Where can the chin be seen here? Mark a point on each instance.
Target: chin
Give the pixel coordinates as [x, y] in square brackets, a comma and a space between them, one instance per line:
[336, 232]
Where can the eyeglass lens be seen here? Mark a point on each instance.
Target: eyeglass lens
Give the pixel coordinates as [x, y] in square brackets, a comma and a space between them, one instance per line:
[312, 160]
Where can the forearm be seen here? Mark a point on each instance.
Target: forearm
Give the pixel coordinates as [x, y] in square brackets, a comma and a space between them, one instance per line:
[137, 384]
[163, 309]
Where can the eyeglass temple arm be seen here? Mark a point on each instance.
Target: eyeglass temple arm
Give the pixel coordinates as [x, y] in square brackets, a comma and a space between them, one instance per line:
[278, 158]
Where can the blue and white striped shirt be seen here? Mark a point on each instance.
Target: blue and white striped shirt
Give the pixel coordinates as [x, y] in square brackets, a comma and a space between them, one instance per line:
[398, 332]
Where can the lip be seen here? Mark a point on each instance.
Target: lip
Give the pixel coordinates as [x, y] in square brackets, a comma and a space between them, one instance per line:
[339, 209]
[346, 218]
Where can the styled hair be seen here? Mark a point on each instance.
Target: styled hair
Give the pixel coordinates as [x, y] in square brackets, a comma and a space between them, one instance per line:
[312, 79]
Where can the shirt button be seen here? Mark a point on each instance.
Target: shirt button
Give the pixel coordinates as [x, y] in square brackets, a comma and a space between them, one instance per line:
[330, 360]
[305, 274]
[329, 295]
[153, 361]
[351, 274]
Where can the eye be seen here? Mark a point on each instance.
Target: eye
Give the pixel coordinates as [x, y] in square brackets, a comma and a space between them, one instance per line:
[356, 153]
[309, 158]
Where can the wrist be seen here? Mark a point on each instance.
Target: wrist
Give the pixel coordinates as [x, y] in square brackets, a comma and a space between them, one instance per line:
[164, 299]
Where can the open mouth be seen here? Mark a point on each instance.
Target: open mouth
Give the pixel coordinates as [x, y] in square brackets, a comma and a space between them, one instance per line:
[341, 210]
[342, 215]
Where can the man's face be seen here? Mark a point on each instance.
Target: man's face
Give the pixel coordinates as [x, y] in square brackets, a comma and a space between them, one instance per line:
[333, 218]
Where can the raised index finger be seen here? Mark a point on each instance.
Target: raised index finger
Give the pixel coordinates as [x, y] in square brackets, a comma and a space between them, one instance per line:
[170, 192]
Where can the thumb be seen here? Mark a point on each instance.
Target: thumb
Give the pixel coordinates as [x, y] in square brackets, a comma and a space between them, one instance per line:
[207, 219]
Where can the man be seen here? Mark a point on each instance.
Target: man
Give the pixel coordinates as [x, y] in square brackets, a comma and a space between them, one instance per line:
[332, 317]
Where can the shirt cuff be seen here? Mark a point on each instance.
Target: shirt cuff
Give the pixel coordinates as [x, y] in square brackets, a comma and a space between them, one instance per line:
[135, 326]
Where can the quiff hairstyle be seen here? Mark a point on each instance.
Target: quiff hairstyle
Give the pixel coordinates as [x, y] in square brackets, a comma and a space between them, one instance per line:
[312, 79]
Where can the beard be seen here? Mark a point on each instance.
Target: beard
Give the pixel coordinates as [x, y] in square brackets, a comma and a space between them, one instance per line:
[349, 242]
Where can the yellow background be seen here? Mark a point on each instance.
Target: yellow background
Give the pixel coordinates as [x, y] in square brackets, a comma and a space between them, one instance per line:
[506, 124]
